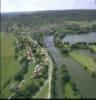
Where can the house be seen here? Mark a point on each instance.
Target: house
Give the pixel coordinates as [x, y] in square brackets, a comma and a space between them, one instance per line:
[46, 61]
[38, 70]
[29, 53]
[40, 50]
[35, 44]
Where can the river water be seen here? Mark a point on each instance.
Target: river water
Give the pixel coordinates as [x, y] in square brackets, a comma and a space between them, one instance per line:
[91, 37]
[82, 78]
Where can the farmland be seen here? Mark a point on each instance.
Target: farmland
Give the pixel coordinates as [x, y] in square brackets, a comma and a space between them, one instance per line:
[8, 64]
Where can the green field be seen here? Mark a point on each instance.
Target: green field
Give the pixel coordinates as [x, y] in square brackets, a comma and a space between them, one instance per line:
[28, 77]
[86, 61]
[69, 93]
[44, 92]
[94, 48]
[8, 64]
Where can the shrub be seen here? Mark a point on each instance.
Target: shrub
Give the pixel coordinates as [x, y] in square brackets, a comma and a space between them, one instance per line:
[53, 91]
[33, 88]
[94, 74]
[19, 76]
[41, 81]
[66, 77]
[25, 70]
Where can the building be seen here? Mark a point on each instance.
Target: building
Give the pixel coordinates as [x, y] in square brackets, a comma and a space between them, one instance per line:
[38, 70]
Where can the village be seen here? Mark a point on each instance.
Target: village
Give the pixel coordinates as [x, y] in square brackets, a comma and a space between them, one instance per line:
[28, 52]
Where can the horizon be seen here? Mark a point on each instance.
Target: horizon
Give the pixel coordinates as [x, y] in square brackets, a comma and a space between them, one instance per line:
[48, 10]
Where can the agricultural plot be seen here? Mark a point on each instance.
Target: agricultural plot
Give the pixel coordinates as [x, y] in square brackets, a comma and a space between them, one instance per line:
[9, 66]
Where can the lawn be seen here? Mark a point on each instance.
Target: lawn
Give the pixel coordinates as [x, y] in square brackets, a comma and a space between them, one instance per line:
[30, 71]
[86, 61]
[44, 92]
[8, 64]
[28, 76]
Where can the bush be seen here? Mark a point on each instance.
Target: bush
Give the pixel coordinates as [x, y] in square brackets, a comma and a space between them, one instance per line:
[19, 76]
[80, 45]
[53, 83]
[33, 88]
[41, 81]
[34, 50]
[65, 51]
[53, 91]
[63, 69]
[25, 70]
[23, 94]
[45, 76]
[94, 74]
[29, 91]
[93, 28]
[66, 77]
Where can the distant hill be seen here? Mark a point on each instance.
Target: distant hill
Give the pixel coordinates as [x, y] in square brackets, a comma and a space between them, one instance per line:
[36, 19]
[72, 14]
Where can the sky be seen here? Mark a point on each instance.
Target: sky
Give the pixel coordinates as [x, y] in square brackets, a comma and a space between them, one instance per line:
[39, 5]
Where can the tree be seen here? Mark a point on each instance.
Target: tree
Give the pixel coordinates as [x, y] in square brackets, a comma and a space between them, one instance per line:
[33, 88]
[94, 74]
[66, 77]
[19, 76]
[93, 28]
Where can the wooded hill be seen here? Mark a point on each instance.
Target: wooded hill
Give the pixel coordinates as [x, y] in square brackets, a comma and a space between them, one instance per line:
[43, 19]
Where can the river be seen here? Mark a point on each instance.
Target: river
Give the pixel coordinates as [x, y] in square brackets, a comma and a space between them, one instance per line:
[82, 78]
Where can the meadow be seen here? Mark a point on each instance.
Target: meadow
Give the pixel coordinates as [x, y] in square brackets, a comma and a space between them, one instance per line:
[86, 61]
[9, 66]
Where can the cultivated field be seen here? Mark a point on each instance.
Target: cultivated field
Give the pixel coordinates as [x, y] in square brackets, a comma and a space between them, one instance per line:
[9, 66]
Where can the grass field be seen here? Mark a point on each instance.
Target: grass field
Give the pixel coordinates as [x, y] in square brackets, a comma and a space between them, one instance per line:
[69, 93]
[28, 77]
[8, 64]
[86, 61]
[44, 92]
[94, 48]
